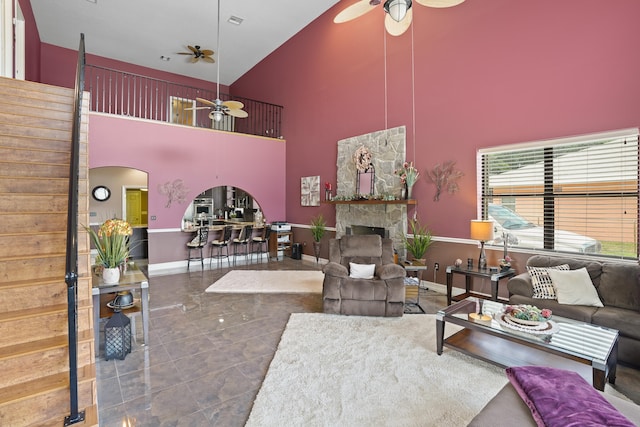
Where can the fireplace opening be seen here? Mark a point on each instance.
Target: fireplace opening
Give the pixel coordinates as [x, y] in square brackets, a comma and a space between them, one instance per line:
[366, 229]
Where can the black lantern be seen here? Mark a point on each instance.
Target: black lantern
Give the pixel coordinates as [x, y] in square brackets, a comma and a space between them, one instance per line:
[117, 336]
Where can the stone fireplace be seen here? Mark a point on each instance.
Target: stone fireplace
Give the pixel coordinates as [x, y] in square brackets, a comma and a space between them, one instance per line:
[388, 149]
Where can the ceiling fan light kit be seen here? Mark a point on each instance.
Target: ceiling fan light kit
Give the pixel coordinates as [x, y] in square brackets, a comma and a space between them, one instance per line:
[397, 9]
[398, 13]
[219, 108]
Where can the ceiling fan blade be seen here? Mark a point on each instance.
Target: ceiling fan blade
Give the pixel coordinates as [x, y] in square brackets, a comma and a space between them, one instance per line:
[233, 105]
[185, 53]
[197, 108]
[439, 3]
[395, 28]
[193, 49]
[207, 52]
[194, 59]
[206, 101]
[208, 59]
[354, 11]
[241, 114]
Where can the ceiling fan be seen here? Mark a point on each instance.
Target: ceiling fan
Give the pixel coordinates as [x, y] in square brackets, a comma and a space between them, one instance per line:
[219, 108]
[398, 12]
[197, 53]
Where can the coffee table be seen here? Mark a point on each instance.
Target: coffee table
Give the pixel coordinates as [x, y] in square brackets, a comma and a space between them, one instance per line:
[588, 349]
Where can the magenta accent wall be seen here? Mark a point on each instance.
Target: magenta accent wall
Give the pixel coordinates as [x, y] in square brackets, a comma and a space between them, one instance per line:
[32, 43]
[202, 158]
[487, 73]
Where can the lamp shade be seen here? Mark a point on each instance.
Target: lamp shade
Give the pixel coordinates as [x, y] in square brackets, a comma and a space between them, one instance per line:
[481, 230]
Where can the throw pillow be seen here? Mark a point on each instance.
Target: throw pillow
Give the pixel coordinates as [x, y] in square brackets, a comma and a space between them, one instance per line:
[575, 287]
[542, 284]
[361, 271]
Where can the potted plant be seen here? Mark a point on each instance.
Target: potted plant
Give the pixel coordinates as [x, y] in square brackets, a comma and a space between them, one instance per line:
[112, 243]
[318, 227]
[420, 242]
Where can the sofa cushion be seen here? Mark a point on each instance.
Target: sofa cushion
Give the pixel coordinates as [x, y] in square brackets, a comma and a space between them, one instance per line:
[593, 267]
[541, 281]
[620, 285]
[574, 287]
[628, 323]
[361, 271]
[363, 290]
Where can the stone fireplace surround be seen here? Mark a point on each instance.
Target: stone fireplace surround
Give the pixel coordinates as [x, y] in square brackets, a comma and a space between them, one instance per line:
[388, 149]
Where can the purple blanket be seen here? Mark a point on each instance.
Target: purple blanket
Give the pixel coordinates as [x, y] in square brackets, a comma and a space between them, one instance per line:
[560, 398]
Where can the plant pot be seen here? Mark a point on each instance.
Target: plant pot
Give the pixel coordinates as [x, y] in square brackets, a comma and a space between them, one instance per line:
[316, 250]
[111, 276]
[409, 192]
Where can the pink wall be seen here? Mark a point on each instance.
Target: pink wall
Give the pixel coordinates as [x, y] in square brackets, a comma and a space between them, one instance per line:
[487, 73]
[202, 158]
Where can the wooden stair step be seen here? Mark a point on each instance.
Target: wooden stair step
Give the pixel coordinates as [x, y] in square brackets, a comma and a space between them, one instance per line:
[29, 156]
[50, 394]
[28, 361]
[36, 143]
[34, 185]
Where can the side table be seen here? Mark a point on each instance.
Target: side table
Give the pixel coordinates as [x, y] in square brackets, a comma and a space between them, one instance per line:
[469, 275]
[415, 267]
[131, 280]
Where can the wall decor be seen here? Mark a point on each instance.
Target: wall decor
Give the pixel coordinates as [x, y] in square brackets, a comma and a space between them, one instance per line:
[310, 190]
[445, 177]
[176, 191]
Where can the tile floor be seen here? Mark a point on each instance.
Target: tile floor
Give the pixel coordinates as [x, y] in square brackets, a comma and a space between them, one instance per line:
[208, 353]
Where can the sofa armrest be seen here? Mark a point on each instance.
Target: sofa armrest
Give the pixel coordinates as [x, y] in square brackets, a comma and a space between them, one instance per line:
[335, 269]
[390, 271]
[520, 285]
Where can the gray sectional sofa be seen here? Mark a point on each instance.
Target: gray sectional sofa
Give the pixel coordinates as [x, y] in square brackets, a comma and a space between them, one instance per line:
[618, 287]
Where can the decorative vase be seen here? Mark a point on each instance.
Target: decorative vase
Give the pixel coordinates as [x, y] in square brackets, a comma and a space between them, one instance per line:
[409, 192]
[111, 276]
[316, 250]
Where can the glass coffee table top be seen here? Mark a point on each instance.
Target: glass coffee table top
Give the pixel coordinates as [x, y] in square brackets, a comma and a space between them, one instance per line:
[583, 340]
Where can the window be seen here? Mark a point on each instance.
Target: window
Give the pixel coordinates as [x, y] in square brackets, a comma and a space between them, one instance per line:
[575, 194]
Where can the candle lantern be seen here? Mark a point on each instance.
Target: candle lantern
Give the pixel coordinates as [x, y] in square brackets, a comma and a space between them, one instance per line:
[117, 333]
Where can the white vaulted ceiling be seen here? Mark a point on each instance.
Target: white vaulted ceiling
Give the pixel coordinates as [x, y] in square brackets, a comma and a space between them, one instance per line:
[141, 31]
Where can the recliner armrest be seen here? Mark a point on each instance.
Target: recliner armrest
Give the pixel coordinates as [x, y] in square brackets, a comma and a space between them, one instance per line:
[390, 271]
[335, 269]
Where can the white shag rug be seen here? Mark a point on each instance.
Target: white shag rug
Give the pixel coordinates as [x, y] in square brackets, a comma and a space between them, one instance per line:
[269, 281]
[332, 370]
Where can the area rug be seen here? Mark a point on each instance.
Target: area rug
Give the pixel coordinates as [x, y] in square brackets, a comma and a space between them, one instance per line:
[268, 281]
[332, 370]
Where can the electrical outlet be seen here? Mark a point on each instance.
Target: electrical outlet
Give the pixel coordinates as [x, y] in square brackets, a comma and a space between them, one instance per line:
[436, 266]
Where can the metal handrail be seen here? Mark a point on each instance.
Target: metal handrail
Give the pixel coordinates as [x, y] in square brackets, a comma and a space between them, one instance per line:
[135, 95]
[71, 268]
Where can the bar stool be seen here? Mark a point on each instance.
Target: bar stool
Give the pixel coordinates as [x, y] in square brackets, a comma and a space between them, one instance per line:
[219, 244]
[262, 243]
[197, 243]
[242, 242]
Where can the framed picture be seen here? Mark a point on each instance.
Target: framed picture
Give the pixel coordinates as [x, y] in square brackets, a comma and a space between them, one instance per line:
[310, 190]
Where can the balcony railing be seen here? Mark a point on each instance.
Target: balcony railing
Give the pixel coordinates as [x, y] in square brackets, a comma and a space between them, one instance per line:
[133, 95]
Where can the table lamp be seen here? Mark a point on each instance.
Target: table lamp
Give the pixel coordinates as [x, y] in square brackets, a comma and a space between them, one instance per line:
[483, 231]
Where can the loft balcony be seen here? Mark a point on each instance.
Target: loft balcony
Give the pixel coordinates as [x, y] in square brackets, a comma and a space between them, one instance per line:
[133, 95]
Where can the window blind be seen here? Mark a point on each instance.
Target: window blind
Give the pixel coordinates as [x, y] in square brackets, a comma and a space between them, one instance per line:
[576, 194]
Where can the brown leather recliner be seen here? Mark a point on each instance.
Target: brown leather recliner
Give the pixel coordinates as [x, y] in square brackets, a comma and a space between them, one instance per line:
[383, 295]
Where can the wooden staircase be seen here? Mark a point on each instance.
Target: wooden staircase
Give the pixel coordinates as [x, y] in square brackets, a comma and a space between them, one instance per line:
[35, 143]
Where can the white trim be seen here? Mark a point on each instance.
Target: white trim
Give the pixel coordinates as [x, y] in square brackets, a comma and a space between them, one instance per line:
[6, 38]
[621, 133]
[163, 230]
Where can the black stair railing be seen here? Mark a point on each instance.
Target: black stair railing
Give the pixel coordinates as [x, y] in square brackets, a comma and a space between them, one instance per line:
[71, 275]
